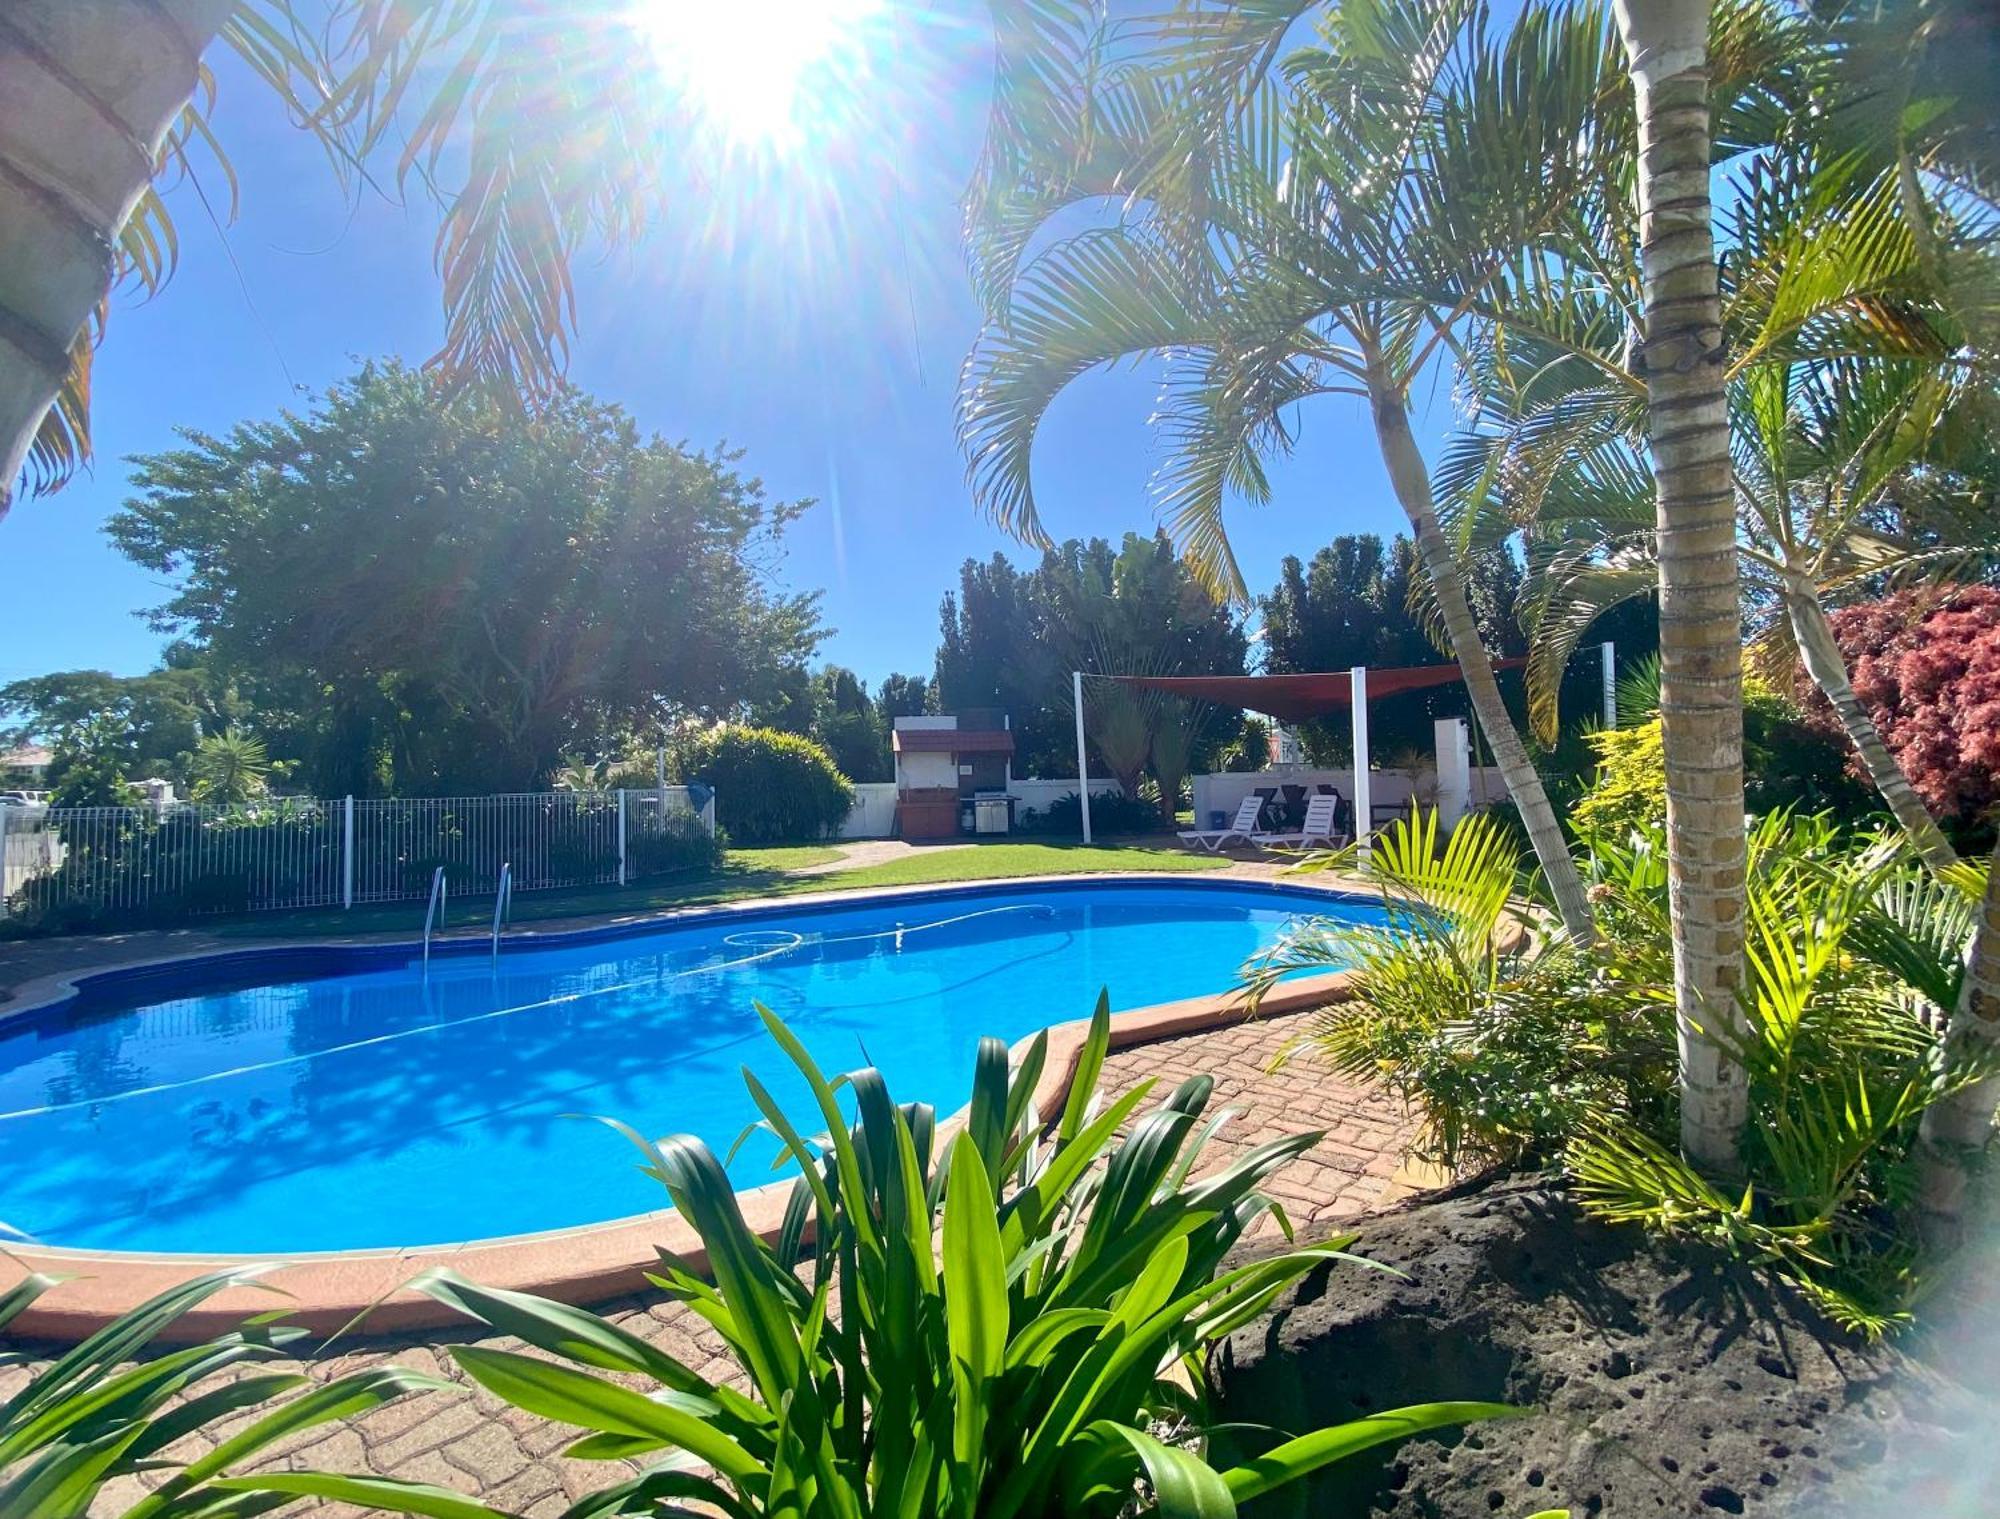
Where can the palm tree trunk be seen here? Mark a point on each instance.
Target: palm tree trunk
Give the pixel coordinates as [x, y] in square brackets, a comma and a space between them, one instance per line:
[1958, 1129]
[1701, 652]
[1412, 484]
[90, 87]
[1821, 654]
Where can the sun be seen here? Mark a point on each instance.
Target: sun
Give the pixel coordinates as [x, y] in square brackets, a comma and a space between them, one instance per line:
[760, 73]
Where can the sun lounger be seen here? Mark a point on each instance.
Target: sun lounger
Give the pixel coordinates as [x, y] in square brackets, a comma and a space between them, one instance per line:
[1213, 839]
[1318, 829]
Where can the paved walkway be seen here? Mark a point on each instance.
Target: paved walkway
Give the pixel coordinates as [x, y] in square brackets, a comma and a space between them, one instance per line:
[466, 1440]
[875, 852]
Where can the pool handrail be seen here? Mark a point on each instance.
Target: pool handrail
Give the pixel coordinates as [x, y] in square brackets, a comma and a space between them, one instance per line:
[434, 910]
[503, 899]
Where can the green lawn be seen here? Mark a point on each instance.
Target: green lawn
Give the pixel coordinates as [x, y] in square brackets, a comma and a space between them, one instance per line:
[989, 862]
[745, 873]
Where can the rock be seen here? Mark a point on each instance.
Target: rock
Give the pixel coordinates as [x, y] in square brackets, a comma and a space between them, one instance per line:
[1668, 1381]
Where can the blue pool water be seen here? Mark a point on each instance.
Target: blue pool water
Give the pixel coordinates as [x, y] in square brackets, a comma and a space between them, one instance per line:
[381, 1107]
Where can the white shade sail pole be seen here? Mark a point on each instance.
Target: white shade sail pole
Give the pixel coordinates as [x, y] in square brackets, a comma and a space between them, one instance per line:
[1082, 757]
[1357, 700]
[1609, 653]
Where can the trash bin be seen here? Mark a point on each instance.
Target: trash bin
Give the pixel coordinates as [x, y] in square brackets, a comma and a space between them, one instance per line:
[1217, 819]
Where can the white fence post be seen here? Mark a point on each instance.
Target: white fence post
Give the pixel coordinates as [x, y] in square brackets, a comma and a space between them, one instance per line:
[1364, 808]
[1082, 753]
[1608, 653]
[708, 814]
[621, 835]
[347, 856]
[3, 860]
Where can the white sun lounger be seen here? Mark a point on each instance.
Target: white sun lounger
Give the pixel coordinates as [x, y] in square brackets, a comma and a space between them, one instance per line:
[1318, 827]
[1213, 839]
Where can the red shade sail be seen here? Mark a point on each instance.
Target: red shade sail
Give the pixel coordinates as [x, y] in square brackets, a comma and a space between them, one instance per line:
[1294, 698]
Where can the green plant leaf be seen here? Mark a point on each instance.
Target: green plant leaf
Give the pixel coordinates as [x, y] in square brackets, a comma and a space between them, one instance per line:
[1295, 1458]
[576, 1397]
[385, 1493]
[1184, 1485]
[975, 1288]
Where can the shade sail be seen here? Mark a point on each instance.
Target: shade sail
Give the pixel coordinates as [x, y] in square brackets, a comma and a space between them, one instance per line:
[1294, 698]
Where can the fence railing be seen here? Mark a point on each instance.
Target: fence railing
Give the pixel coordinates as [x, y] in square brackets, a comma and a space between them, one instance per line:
[185, 859]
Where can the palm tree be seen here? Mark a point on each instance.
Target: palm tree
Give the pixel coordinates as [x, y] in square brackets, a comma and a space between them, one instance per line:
[1262, 225]
[546, 120]
[230, 767]
[1701, 663]
[1958, 1129]
[1858, 435]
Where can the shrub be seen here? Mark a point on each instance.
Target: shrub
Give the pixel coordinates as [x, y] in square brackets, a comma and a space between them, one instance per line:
[1926, 665]
[85, 1430]
[1112, 813]
[1852, 953]
[770, 787]
[1494, 1035]
[1630, 791]
[1787, 763]
[671, 852]
[1004, 1325]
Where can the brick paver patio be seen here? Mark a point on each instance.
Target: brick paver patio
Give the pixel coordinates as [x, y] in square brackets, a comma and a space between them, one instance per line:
[464, 1439]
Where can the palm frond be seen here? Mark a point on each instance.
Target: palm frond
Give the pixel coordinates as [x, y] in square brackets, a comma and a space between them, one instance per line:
[1104, 296]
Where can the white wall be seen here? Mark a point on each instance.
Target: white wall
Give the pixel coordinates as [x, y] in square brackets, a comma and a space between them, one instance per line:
[927, 772]
[873, 815]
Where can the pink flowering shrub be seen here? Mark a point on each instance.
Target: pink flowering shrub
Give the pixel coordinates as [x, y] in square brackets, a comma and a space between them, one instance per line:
[1926, 665]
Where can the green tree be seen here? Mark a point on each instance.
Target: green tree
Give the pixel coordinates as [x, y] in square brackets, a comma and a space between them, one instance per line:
[849, 727]
[1011, 639]
[230, 766]
[483, 596]
[152, 721]
[1351, 605]
[87, 768]
[904, 696]
[994, 653]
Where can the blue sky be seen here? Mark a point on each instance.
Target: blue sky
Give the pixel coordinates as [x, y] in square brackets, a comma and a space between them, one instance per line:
[814, 314]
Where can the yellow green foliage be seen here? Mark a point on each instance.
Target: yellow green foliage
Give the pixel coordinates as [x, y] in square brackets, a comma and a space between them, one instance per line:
[1631, 787]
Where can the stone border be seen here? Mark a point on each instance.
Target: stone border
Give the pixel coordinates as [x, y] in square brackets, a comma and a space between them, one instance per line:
[592, 1263]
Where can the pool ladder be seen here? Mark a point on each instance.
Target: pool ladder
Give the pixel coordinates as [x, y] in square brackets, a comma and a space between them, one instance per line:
[503, 899]
[433, 913]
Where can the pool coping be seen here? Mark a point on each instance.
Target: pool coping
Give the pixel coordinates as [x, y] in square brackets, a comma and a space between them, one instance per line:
[326, 1292]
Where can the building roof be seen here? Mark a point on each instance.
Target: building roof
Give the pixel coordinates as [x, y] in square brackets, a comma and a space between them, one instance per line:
[27, 757]
[952, 741]
[1294, 698]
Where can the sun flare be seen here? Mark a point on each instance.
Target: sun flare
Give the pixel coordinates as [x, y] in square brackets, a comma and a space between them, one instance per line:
[758, 74]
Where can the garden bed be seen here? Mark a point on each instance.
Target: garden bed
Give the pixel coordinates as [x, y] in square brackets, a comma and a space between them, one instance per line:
[1669, 1381]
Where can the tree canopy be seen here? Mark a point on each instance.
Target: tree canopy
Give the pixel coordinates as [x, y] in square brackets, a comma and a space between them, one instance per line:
[459, 596]
[1012, 637]
[145, 724]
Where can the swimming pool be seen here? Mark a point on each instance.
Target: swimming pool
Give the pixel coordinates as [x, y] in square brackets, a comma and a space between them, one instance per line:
[383, 1106]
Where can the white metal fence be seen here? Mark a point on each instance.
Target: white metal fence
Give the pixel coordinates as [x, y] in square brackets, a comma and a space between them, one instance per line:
[186, 858]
